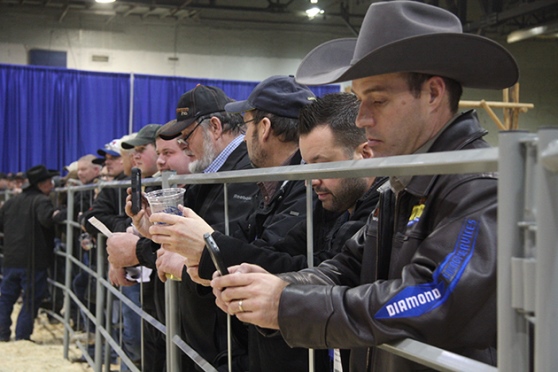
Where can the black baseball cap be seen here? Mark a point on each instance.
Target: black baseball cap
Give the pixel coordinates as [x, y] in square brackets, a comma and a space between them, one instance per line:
[200, 101]
[280, 95]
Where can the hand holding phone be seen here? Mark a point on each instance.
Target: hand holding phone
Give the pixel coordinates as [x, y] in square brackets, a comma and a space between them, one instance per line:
[136, 190]
[215, 254]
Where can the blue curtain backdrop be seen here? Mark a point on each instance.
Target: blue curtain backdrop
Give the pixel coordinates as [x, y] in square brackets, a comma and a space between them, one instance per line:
[54, 116]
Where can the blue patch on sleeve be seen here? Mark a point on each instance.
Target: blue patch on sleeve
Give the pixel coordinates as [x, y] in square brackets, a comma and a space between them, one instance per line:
[418, 300]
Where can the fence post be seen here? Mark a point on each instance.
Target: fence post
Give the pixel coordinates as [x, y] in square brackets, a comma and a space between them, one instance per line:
[68, 268]
[546, 306]
[513, 337]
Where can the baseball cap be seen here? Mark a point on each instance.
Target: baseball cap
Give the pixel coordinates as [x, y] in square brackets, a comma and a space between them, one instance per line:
[279, 94]
[72, 167]
[200, 101]
[111, 148]
[146, 135]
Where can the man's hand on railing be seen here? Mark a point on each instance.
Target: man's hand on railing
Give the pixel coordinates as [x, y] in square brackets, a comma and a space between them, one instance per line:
[121, 249]
[117, 277]
[193, 273]
[169, 263]
[250, 293]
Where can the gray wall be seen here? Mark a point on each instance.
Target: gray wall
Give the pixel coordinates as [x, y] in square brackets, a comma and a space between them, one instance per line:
[224, 51]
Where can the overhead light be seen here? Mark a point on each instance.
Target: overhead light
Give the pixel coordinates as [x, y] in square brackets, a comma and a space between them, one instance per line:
[312, 12]
[313, 1]
[104, 1]
[532, 32]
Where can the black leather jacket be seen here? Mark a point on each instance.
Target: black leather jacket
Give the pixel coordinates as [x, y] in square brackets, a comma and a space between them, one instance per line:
[28, 227]
[432, 277]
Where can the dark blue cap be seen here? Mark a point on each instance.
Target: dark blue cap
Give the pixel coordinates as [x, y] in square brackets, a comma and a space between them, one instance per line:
[280, 95]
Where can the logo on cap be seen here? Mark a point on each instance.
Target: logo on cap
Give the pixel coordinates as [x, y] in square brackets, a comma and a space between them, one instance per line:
[182, 111]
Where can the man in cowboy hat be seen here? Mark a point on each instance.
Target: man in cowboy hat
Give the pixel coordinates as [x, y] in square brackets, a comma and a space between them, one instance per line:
[27, 223]
[424, 266]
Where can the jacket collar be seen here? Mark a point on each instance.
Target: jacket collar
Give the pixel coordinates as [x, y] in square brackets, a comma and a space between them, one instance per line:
[460, 134]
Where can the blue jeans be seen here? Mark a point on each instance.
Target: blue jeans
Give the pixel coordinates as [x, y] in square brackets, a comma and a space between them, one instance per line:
[131, 326]
[34, 286]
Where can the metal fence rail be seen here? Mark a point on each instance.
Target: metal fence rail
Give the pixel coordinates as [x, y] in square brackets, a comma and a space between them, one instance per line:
[527, 231]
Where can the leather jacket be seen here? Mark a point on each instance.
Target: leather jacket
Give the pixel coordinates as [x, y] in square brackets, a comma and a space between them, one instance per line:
[424, 267]
[28, 227]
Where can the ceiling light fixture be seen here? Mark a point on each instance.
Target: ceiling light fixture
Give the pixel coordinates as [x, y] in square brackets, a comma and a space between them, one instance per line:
[312, 12]
[104, 1]
[520, 35]
[313, 1]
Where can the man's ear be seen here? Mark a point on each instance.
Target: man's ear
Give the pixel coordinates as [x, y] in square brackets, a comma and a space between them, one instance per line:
[436, 87]
[363, 151]
[265, 128]
[215, 127]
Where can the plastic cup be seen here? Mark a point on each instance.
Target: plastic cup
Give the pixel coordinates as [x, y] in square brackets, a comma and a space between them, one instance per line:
[166, 200]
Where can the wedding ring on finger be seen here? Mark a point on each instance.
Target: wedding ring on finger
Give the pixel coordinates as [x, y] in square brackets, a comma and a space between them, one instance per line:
[240, 309]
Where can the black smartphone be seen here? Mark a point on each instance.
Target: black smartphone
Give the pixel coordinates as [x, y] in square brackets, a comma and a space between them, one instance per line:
[136, 190]
[215, 254]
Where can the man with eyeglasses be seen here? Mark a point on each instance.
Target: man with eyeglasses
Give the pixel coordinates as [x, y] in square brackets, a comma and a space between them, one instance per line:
[214, 141]
[271, 118]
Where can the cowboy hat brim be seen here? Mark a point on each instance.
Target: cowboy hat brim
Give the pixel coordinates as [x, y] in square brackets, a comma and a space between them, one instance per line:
[474, 61]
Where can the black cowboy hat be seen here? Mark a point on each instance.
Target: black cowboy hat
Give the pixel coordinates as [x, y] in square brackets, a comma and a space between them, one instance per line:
[40, 173]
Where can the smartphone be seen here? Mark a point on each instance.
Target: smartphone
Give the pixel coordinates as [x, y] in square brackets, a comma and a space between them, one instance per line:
[215, 254]
[136, 190]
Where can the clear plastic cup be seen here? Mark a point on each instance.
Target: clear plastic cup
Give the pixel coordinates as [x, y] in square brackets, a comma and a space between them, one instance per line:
[166, 200]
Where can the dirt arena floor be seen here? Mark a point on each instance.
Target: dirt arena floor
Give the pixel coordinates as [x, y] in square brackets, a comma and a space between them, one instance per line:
[44, 354]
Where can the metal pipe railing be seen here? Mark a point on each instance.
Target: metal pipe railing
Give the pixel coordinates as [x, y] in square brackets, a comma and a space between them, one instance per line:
[518, 210]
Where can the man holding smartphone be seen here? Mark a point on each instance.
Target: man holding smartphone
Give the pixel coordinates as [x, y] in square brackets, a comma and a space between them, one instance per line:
[327, 133]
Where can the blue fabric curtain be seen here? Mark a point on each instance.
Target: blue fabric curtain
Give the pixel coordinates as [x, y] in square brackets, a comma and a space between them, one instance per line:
[155, 97]
[54, 116]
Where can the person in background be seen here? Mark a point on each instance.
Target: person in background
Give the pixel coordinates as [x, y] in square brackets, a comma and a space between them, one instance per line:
[424, 266]
[87, 173]
[28, 226]
[127, 155]
[108, 207]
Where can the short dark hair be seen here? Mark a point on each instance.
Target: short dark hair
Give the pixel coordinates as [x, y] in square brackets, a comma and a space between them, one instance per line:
[454, 88]
[230, 121]
[338, 111]
[286, 129]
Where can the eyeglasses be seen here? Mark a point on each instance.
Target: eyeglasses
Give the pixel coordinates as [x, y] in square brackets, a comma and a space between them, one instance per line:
[184, 141]
[249, 121]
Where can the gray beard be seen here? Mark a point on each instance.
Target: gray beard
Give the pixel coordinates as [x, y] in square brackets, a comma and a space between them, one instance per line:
[209, 154]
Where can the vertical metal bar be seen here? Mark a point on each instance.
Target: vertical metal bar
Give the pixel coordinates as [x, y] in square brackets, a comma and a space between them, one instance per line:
[546, 305]
[227, 232]
[309, 224]
[310, 248]
[171, 313]
[131, 118]
[172, 324]
[68, 273]
[100, 303]
[513, 338]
